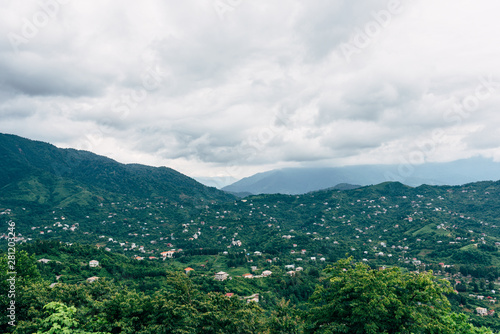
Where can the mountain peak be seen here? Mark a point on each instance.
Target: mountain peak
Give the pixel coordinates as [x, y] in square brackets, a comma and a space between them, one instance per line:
[24, 162]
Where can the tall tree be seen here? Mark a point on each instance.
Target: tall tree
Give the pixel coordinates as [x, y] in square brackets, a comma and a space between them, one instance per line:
[362, 300]
[61, 320]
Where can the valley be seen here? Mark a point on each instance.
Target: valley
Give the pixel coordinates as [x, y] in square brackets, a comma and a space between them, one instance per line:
[76, 231]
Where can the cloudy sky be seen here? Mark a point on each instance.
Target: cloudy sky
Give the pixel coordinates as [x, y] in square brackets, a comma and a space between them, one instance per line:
[228, 88]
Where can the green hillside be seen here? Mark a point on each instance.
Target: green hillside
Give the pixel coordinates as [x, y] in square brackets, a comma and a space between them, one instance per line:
[40, 172]
[71, 207]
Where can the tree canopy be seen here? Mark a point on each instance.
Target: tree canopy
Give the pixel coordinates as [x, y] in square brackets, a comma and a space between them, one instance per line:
[364, 300]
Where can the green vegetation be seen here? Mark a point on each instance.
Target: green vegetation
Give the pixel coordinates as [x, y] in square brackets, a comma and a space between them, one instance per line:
[61, 320]
[363, 300]
[36, 172]
[352, 299]
[70, 207]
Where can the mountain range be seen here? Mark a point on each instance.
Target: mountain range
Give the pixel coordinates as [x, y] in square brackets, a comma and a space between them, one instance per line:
[304, 180]
[63, 201]
[40, 172]
[78, 196]
[69, 175]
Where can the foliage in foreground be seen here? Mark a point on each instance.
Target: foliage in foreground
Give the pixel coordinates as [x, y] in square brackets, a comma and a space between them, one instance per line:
[356, 299]
[61, 320]
[363, 300]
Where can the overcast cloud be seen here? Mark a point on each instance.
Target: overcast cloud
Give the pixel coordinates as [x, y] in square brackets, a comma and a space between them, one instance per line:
[234, 87]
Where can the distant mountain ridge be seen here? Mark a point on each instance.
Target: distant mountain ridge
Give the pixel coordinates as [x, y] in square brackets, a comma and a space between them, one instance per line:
[31, 168]
[303, 180]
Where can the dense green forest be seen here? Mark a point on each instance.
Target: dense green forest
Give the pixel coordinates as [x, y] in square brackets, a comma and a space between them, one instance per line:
[150, 297]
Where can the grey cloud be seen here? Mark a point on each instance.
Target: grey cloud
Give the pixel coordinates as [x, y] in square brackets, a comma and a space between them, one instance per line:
[355, 141]
[304, 154]
[486, 137]
[188, 142]
[9, 113]
[359, 103]
[261, 87]
[323, 25]
[45, 77]
[15, 109]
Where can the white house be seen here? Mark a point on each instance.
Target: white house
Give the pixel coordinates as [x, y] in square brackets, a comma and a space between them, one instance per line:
[266, 273]
[481, 311]
[168, 254]
[221, 276]
[252, 298]
[94, 263]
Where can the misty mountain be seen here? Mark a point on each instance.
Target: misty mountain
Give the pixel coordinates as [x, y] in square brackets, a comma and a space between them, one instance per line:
[303, 180]
[216, 181]
[41, 172]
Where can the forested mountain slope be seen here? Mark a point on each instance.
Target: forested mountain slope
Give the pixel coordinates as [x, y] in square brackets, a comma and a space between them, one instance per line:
[40, 172]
